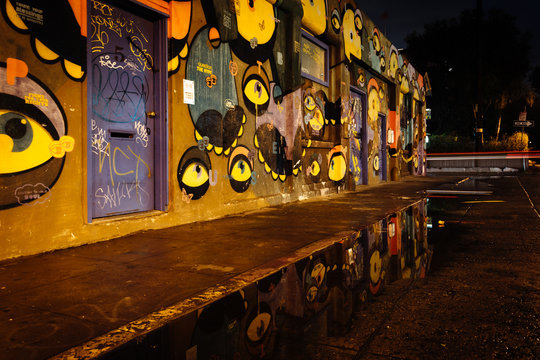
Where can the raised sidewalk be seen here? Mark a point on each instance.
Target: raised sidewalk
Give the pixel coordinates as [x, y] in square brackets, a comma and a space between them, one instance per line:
[82, 302]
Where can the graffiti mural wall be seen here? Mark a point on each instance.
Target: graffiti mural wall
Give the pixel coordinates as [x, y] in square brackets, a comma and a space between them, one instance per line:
[263, 102]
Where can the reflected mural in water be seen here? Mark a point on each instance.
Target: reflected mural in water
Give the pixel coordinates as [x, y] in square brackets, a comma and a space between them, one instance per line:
[313, 297]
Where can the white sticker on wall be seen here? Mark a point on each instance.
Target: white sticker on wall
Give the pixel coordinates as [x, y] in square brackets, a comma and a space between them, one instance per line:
[189, 92]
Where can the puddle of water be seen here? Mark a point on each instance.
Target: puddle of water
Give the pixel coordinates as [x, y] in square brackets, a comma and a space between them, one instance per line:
[315, 297]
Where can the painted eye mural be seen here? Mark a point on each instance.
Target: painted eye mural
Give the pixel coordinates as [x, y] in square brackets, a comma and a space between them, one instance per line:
[375, 270]
[394, 62]
[194, 173]
[336, 21]
[179, 24]
[318, 112]
[256, 90]
[55, 32]
[376, 41]
[374, 103]
[315, 282]
[361, 80]
[383, 63]
[377, 54]
[216, 113]
[256, 29]
[404, 87]
[240, 169]
[337, 165]
[314, 18]
[352, 33]
[33, 140]
[259, 330]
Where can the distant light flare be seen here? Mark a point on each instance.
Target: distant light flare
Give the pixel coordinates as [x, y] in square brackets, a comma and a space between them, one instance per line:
[484, 155]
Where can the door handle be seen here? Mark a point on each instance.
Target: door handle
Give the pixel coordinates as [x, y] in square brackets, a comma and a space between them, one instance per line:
[151, 114]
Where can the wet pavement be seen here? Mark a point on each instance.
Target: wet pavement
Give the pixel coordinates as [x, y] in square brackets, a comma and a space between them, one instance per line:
[83, 302]
[155, 294]
[481, 297]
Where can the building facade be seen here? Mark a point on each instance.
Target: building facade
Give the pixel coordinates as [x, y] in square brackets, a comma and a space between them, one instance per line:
[122, 116]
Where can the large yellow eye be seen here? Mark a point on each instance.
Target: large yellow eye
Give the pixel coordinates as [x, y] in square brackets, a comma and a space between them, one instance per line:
[374, 105]
[24, 143]
[259, 320]
[337, 168]
[315, 168]
[393, 62]
[309, 103]
[375, 266]
[256, 92]
[258, 327]
[241, 171]
[376, 43]
[318, 273]
[195, 175]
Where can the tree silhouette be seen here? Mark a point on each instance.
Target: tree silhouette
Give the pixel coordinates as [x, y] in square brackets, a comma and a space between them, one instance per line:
[453, 57]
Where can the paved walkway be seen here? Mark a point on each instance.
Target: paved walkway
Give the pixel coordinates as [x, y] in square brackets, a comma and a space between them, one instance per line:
[81, 302]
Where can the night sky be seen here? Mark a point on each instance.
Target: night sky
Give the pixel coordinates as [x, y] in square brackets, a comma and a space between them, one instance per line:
[403, 17]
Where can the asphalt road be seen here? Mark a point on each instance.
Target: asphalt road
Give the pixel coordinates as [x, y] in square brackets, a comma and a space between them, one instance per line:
[481, 298]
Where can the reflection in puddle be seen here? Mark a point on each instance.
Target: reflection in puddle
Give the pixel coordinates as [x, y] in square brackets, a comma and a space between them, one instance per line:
[358, 269]
[312, 298]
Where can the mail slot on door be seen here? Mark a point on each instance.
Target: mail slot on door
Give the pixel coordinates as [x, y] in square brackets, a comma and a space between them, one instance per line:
[118, 134]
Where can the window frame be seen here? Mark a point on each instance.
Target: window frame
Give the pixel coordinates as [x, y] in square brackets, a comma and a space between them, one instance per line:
[307, 36]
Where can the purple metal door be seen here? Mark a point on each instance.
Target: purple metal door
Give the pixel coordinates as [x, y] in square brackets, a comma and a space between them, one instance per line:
[356, 163]
[121, 78]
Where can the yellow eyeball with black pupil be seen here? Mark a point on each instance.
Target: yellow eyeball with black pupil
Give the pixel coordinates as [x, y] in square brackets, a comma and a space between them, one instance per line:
[241, 171]
[195, 175]
[335, 23]
[309, 103]
[338, 168]
[24, 143]
[315, 168]
[256, 92]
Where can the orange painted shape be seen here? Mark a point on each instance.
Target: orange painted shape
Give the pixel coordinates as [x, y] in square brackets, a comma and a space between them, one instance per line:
[15, 68]
[373, 83]
[180, 18]
[79, 9]
[213, 34]
[420, 81]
